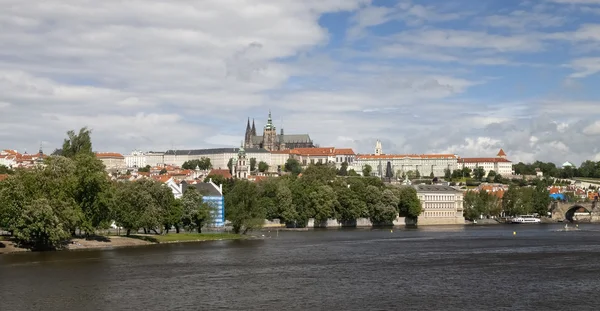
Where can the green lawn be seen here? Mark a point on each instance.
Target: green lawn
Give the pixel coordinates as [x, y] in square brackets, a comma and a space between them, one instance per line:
[187, 237]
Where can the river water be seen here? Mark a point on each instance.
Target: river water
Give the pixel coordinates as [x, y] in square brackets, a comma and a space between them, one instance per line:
[430, 268]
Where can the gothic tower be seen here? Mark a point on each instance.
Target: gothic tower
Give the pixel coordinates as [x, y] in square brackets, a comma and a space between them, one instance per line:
[248, 136]
[378, 149]
[270, 135]
[253, 128]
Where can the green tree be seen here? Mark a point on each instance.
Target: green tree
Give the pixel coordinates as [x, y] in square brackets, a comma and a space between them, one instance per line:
[409, 204]
[478, 173]
[447, 174]
[230, 165]
[431, 175]
[93, 193]
[252, 164]
[245, 212]
[351, 206]
[417, 174]
[293, 166]
[510, 200]
[284, 198]
[142, 204]
[39, 225]
[162, 171]
[196, 212]
[78, 143]
[384, 212]
[202, 163]
[323, 203]
[366, 170]
[353, 173]
[541, 200]
[174, 217]
[6, 170]
[263, 167]
[320, 173]
[145, 169]
[343, 171]
[498, 178]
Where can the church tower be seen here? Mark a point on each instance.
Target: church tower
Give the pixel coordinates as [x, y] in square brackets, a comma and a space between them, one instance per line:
[242, 165]
[378, 150]
[270, 135]
[248, 136]
[253, 131]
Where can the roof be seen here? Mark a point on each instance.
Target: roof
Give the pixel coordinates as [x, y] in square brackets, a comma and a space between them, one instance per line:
[482, 160]
[293, 138]
[3, 176]
[406, 156]
[501, 153]
[206, 189]
[214, 151]
[225, 173]
[344, 151]
[434, 188]
[109, 155]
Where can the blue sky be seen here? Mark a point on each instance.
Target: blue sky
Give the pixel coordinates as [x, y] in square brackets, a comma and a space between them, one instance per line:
[464, 77]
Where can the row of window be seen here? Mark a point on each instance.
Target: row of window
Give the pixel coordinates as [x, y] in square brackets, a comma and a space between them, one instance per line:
[439, 205]
[439, 197]
[439, 214]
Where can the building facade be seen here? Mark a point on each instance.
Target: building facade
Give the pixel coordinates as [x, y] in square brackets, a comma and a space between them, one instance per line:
[112, 160]
[323, 155]
[396, 165]
[272, 141]
[136, 159]
[241, 166]
[500, 164]
[442, 205]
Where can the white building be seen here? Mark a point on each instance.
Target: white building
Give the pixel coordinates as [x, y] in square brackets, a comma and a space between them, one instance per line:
[401, 164]
[499, 164]
[324, 155]
[112, 160]
[442, 205]
[136, 159]
[241, 166]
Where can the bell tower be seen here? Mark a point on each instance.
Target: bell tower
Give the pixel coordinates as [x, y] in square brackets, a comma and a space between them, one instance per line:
[270, 135]
[378, 150]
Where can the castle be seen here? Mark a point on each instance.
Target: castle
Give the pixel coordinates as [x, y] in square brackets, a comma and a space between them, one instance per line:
[271, 141]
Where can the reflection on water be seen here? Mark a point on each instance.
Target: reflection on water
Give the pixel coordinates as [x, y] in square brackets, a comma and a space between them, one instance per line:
[429, 268]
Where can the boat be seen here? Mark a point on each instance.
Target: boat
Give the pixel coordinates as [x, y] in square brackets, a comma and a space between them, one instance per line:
[526, 219]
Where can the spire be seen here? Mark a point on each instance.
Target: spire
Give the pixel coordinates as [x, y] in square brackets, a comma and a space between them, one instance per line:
[248, 125]
[253, 131]
[270, 122]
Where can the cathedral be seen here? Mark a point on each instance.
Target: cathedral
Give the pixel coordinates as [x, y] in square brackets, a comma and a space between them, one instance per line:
[272, 141]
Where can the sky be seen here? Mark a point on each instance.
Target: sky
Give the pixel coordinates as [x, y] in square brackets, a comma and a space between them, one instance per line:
[458, 76]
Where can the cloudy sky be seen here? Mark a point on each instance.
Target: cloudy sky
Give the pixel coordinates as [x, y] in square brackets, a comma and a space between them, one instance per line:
[460, 76]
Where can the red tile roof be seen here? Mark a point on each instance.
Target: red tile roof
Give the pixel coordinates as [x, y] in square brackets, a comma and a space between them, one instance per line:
[224, 173]
[482, 160]
[109, 155]
[402, 156]
[344, 151]
[501, 153]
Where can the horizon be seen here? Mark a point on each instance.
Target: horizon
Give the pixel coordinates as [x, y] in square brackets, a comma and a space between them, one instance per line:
[423, 77]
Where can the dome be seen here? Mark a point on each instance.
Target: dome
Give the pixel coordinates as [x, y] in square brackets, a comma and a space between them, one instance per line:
[566, 164]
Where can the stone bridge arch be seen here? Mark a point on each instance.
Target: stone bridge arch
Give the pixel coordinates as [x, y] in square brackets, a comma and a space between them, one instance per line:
[577, 208]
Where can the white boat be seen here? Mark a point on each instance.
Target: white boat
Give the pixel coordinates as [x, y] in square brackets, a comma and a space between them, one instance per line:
[526, 219]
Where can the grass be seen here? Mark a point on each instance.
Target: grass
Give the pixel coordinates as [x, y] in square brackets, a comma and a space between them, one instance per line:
[187, 237]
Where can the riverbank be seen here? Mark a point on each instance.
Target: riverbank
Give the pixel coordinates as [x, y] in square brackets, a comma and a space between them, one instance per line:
[7, 246]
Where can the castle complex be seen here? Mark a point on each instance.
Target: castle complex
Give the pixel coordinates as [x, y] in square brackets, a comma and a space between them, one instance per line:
[271, 141]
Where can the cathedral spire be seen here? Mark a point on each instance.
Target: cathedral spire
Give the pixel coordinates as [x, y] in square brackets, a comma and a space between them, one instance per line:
[248, 125]
[253, 128]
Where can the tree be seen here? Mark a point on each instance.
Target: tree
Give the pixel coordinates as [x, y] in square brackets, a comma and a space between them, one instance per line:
[320, 173]
[263, 166]
[366, 170]
[142, 204]
[353, 173]
[323, 203]
[343, 171]
[244, 211]
[230, 165]
[286, 211]
[510, 200]
[145, 169]
[541, 200]
[498, 178]
[174, 216]
[202, 163]
[40, 226]
[6, 170]
[431, 175]
[293, 166]
[478, 173]
[162, 171]
[409, 204]
[77, 143]
[196, 212]
[350, 206]
[384, 212]
[93, 193]
[252, 164]
[417, 174]
[447, 174]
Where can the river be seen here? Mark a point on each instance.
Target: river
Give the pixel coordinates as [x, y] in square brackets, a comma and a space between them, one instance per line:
[430, 268]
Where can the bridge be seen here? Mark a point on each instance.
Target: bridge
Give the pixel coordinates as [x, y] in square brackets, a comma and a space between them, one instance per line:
[578, 212]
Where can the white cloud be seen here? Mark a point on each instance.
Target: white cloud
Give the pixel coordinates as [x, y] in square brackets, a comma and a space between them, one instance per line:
[585, 67]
